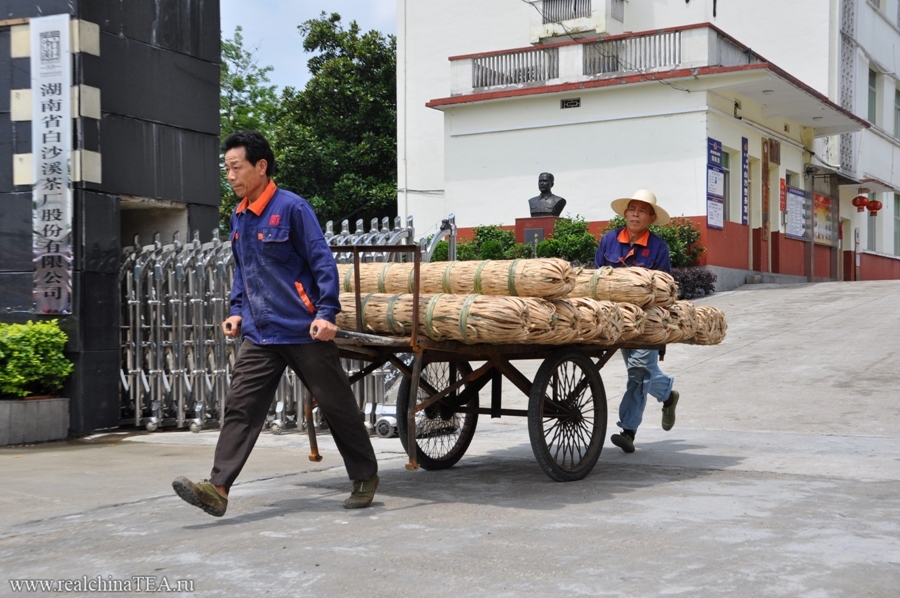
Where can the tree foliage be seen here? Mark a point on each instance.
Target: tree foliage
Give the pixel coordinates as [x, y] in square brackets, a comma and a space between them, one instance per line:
[571, 241]
[246, 102]
[336, 140]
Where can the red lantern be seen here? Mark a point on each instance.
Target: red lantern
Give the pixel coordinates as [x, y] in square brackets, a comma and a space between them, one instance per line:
[860, 201]
[873, 207]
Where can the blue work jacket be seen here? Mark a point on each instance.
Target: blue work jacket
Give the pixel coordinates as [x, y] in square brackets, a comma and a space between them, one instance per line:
[649, 251]
[285, 275]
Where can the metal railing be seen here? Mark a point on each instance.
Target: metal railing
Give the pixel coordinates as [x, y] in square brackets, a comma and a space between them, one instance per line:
[176, 362]
[555, 11]
[515, 68]
[633, 54]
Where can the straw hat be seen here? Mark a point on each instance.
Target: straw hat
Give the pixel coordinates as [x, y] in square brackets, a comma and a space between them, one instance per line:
[619, 205]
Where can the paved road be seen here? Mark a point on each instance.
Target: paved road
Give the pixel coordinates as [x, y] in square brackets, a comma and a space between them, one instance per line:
[780, 478]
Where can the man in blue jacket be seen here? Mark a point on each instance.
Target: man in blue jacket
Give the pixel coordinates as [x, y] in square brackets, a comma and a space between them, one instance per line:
[635, 245]
[283, 302]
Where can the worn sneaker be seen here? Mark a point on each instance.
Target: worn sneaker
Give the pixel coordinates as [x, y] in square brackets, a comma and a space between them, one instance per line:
[362, 494]
[202, 495]
[623, 441]
[668, 416]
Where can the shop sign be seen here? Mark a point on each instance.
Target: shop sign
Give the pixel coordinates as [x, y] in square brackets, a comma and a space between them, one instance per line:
[715, 185]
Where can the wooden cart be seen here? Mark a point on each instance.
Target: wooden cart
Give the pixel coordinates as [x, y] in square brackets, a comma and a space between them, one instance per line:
[566, 407]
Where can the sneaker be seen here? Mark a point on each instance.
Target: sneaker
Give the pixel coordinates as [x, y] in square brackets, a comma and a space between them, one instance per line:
[623, 441]
[668, 416]
[202, 495]
[362, 494]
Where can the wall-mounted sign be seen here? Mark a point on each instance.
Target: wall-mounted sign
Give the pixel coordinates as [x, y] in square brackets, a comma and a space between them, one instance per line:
[51, 144]
[798, 213]
[775, 152]
[825, 232]
[745, 180]
[765, 190]
[782, 196]
[715, 185]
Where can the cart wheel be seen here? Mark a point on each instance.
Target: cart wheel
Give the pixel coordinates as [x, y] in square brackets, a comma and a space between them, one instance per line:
[195, 427]
[567, 415]
[442, 433]
[276, 428]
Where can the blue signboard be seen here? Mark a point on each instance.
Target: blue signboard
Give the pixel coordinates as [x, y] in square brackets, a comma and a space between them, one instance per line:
[715, 185]
[745, 180]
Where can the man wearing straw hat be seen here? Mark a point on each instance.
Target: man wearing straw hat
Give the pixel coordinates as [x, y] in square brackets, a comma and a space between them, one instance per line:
[635, 245]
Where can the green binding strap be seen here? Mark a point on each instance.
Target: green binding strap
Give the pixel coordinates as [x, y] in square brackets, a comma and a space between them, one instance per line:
[381, 276]
[511, 278]
[464, 318]
[445, 279]
[348, 277]
[478, 270]
[411, 280]
[391, 322]
[595, 277]
[429, 314]
[362, 306]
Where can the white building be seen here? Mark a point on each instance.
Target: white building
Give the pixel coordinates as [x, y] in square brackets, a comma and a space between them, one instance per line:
[480, 115]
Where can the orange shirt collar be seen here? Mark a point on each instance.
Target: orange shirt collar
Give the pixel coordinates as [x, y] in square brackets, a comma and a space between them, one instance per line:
[644, 240]
[260, 204]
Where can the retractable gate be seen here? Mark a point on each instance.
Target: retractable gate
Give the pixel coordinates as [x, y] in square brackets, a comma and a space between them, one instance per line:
[176, 361]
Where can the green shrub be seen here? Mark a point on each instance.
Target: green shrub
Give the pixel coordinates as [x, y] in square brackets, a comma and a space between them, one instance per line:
[31, 359]
[681, 236]
[490, 243]
[571, 241]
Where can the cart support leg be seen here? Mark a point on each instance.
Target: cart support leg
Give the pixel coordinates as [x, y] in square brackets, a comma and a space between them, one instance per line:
[496, 393]
[311, 430]
[411, 445]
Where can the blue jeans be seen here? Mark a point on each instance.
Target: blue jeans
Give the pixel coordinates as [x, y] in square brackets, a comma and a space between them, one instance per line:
[644, 377]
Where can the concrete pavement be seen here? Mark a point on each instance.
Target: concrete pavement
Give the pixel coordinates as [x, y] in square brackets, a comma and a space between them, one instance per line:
[780, 478]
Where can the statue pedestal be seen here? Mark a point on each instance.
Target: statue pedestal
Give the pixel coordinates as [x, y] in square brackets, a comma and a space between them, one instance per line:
[529, 230]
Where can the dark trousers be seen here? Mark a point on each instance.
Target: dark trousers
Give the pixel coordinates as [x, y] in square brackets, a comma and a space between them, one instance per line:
[257, 372]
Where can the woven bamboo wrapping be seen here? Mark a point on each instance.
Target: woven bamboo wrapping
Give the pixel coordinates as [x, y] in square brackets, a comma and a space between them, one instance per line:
[548, 278]
[466, 318]
[622, 285]
[656, 326]
[597, 321]
[632, 321]
[563, 324]
[711, 325]
[682, 321]
[665, 289]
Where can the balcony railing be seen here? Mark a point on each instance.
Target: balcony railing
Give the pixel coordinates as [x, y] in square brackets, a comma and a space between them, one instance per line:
[637, 54]
[555, 11]
[515, 68]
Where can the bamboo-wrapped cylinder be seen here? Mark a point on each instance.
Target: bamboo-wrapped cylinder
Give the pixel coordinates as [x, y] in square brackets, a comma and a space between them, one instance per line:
[465, 318]
[622, 285]
[682, 321]
[563, 318]
[711, 325]
[548, 278]
[632, 321]
[597, 321]
[656, 326]
[665, 289]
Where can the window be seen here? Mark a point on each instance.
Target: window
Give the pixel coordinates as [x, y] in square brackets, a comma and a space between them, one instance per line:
[896, 224]
[897, 110]
[871, 228]
[873, 95]
[555, 11]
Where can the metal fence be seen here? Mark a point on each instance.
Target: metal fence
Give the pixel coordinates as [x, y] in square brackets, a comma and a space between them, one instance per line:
[556, 11]
[514, 68]
[175, 360]
[637, 54]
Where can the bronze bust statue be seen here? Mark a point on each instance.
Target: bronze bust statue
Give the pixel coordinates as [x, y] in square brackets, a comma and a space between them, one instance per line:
[546, 204]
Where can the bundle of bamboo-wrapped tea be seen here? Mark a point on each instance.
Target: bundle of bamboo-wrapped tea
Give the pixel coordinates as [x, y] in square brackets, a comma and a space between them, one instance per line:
[632, 321]
[563, 323]
[711, 325]
[623, 285]
[597, 321]
[665, 289]
[656, 326]
[466, 318]
[548, 278]
[682, 321]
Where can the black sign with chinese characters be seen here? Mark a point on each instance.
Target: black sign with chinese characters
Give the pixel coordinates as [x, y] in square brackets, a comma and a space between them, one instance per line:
[51, 135]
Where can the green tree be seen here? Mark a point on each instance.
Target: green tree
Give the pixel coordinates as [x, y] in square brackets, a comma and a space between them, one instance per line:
[336, 140]
[246, 102]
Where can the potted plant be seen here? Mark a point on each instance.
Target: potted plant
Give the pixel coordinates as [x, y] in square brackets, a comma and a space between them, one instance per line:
[33, 370]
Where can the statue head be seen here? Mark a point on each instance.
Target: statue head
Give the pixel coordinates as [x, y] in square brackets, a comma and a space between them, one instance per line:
[545, 182]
